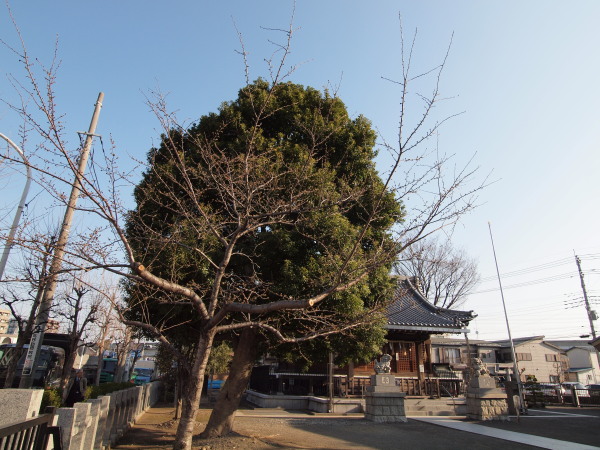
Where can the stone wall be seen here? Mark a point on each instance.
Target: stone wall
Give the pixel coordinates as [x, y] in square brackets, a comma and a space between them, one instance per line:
[93, 424]
[305, 402]
[487, 409]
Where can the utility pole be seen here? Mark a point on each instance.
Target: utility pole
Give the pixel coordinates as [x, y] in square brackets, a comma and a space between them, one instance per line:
[49, 287]
[591, 314]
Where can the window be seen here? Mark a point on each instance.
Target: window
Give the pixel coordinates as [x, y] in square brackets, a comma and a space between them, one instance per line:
[485, 355]
[552, 357]
[523, 356]
[554, 379]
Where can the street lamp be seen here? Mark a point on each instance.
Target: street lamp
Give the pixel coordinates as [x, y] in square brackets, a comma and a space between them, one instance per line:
[15, 224]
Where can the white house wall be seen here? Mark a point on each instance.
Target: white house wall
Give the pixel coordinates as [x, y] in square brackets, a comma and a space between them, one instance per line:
[539, 366]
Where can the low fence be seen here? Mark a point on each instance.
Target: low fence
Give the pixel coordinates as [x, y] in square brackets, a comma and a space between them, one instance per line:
[93, 424]
[554, 396]
[429, 387]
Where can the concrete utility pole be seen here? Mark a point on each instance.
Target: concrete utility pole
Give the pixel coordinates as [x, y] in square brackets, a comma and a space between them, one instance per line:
[57, 259]
[591, 314]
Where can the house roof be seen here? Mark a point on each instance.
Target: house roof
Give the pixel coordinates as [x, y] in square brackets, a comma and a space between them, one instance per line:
[410, 310]
[578, 369]
[519, 341]
[525, 340]
[570, 344]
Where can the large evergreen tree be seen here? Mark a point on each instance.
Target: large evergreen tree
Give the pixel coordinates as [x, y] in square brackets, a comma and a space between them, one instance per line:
[268, 214]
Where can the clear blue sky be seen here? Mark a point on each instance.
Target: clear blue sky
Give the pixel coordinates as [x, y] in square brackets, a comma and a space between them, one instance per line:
[525, 73]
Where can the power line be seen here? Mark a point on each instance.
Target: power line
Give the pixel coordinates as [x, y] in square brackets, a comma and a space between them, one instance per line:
[531, 282]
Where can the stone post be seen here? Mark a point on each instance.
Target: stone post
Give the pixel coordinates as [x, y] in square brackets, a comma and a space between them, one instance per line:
[92, 430]
[68, 426]
[383, 400]
[484, 400]
[19, 405]
[82, 422]
[103, 421]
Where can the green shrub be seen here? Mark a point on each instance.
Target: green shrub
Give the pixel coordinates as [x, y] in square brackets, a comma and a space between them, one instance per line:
[105, 388]
[51, 397]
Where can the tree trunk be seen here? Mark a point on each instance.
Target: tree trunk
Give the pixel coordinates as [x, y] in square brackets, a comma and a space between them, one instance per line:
[191, 401]
[223, 414]
[100, 363]
[183, 377]
[68, 367]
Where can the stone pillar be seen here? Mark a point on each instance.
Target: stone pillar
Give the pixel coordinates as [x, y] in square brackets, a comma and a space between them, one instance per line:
[103, 422]
[92, 431]
[139, 402]
[117, 428]
[484, 400]
[68, 426]
[82, 422]
[19, 405]
[383, 401]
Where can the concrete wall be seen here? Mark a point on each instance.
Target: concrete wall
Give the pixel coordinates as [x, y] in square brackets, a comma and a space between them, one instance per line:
[305, 402]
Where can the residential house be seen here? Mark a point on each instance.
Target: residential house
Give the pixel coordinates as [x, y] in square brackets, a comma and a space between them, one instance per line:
[546, 360]
[583, 360]
[452, 354]
[536, 358]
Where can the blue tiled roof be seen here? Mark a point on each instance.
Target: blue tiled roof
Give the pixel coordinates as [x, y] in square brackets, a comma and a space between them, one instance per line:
[410, 308]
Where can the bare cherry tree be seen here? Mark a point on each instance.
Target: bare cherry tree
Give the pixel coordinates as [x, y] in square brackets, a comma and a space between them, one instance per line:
[445, 275]
[23, 294]
[77, 311]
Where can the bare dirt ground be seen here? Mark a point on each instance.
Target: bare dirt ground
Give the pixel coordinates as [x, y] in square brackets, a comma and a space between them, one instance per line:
[273, 429]
[156, 430]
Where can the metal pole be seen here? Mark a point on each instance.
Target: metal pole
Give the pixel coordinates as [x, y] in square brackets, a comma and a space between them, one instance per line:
[512, 345]
[15, 224]
[57, 259]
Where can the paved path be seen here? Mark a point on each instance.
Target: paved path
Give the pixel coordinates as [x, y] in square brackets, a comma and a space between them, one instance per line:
[512, 436]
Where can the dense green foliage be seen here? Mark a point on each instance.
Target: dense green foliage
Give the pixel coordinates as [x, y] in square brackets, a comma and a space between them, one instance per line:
[289, 164]
[105, 388]
[219, 359]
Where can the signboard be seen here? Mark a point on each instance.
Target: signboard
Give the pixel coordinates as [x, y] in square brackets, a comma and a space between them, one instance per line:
[34, 345]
